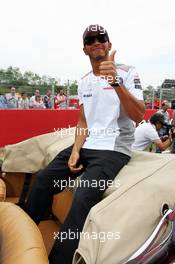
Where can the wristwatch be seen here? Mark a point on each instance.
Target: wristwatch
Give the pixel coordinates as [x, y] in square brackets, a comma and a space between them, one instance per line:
[118, 82]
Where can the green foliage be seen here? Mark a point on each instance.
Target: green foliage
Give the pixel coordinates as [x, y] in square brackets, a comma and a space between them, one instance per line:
[166, 94]
[73, 88]
[30, 81]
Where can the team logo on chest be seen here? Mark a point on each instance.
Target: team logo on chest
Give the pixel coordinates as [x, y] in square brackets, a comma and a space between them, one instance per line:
[87, 95]
[87, 91]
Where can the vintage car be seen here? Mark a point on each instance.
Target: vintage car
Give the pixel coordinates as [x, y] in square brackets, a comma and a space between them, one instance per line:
[138, 208]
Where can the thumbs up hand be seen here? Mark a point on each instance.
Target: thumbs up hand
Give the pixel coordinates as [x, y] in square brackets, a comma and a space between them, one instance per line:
[108, 68]
[112, 56]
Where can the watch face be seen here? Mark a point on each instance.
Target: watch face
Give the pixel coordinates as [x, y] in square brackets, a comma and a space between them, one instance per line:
[120, 80]
[115, 85]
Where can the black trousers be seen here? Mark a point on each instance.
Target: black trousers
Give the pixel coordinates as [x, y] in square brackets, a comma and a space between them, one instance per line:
[99, 169]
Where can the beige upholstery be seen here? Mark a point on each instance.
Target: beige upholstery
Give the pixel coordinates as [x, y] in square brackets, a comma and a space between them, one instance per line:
[61, 204]
[48, 229]
[30, 156]
[2, 190]
[14, 183]
[20, 239]
[145, 184]
[35, 153]
[130, 212]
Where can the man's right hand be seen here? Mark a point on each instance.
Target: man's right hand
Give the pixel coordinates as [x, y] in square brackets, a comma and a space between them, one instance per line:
[73, 160]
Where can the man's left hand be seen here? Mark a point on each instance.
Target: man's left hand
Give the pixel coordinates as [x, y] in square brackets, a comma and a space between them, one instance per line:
[108, 68]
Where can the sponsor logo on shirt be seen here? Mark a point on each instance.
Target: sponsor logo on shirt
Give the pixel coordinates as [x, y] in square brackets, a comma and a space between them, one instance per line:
[137, 80]
[137, 83]
[108, 88]
[138, 87]
[87, 95]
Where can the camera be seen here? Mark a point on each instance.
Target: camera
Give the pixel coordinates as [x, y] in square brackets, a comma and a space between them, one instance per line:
[169, 129]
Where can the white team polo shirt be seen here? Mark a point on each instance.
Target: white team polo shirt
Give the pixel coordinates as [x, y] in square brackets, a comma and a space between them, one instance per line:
[145, 134]
[109, 126]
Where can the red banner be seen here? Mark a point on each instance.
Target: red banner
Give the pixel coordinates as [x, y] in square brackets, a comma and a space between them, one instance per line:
[18, 125]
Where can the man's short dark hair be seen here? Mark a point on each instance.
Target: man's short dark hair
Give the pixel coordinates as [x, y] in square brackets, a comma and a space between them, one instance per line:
[95, 28]
[157, 118]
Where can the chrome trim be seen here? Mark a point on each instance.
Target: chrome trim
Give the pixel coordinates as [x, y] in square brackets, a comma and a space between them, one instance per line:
[147, 249]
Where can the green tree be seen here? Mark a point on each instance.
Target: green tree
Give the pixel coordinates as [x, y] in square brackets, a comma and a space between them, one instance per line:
[73, 88]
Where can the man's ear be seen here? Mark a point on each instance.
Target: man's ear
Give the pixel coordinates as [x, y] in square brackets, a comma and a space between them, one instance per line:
[109, 45]
[85, 51]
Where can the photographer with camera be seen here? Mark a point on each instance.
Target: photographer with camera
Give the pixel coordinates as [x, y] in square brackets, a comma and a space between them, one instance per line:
[164, 131]
[147, 133]
[173, 133]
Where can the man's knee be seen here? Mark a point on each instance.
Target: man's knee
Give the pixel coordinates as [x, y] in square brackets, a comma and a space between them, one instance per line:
[85, 199]
[42, 179]
[65, 153]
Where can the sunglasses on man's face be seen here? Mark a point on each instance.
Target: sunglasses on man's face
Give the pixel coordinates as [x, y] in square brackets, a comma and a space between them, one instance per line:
[102, 38]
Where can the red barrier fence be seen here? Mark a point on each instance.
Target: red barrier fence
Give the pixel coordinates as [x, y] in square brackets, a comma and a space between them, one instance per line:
[150, 112]
[18, 125]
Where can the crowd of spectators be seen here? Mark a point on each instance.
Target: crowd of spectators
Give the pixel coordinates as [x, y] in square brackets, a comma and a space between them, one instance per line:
[13, 100]
[156, 104]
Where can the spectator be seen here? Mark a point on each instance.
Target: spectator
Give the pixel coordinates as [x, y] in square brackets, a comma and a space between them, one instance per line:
[164, 112]
[32, 99]
[23, 101]
[147, 133]
[60, 100]
[148, 104]
[156, 103]
[173, 120]
[38, 103]
[173, 124]
[12, 99]
[163, 131]
[48, 99]
[173, 104]
[3, 102]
